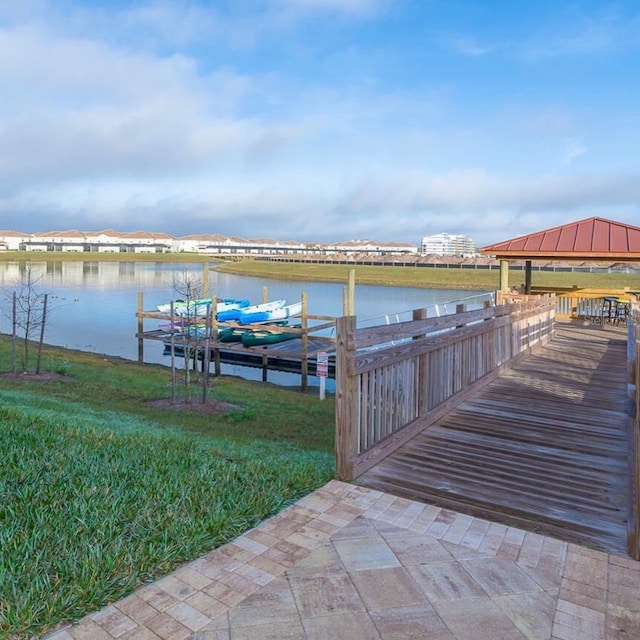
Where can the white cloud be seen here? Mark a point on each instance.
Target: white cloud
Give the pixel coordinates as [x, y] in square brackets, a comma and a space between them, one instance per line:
[150, 115]
[402, 208]
[178, 23]
[79, 108]
[349, 7]
[469, 46]
[606, 29]
[67, 69]
[574, 149]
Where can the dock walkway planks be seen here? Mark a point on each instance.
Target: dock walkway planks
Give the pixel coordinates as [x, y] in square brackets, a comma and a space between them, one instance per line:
[543, 447]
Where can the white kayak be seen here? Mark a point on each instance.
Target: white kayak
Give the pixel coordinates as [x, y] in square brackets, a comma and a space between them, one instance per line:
[201, 306]
[288, 311]
[229, 315]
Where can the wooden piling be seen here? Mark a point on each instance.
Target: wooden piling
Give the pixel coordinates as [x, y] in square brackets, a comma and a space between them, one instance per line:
[304, 366]
[140, 328]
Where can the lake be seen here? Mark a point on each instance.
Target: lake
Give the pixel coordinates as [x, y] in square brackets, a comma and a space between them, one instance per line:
[93, 304]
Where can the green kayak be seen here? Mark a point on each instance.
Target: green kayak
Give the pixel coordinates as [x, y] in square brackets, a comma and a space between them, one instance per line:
[265, 337]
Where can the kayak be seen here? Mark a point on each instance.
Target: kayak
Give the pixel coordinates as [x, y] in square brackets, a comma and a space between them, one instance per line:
[261, 337]
[237, 334]
[229, 315]
[288, 311]
[201, 306]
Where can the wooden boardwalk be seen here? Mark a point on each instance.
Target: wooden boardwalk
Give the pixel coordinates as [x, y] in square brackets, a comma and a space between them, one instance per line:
[543, 447]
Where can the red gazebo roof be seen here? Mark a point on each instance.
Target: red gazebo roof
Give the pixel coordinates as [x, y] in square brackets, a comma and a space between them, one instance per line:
[590, 239]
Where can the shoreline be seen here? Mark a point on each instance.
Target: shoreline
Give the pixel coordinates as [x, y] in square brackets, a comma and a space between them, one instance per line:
[453, 273]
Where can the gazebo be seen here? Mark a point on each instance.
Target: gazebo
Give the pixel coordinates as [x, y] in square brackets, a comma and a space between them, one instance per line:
[589, 240]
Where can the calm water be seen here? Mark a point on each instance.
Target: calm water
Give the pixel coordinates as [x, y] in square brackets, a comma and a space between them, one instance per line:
[93, 304]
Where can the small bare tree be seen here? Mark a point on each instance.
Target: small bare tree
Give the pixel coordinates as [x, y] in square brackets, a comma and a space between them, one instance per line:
[28, 318]
[189, 289]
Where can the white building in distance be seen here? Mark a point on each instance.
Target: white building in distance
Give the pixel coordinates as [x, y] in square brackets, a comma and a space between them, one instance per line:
[112, 241]
[447, 244]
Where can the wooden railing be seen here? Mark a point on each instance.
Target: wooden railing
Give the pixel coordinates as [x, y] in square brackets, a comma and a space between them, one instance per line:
[393, 381]
[633, 529]
[575, 302]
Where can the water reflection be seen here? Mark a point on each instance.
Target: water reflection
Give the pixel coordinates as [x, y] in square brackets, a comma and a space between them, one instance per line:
[93, 303]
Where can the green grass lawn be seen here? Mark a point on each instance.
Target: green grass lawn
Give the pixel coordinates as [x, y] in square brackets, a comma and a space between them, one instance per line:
[424, 277]
[102, 492]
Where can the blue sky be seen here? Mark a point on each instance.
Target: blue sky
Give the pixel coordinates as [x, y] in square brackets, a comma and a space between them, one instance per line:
[319, 120]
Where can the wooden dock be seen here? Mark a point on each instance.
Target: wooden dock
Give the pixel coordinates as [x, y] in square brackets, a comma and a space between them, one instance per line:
[543, 447]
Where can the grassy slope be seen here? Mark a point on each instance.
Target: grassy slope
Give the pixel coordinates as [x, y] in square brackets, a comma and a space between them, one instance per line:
[101, 492]
[263, 410]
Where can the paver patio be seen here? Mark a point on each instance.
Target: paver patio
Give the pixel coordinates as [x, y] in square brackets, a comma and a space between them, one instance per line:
[348, 562]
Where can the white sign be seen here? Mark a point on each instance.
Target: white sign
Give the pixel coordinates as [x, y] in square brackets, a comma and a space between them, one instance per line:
[322, 365]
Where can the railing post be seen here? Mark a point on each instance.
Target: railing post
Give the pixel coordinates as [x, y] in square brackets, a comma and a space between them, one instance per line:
[633, 334]
[352, 293]
[205, 280]
[516, 335]
[422, 376]
[633, 520]
[304, 364]
[574, 303]
[140, 328]
[346, 399]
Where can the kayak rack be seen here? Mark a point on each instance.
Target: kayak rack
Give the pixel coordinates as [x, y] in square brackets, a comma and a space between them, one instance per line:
[295, 355]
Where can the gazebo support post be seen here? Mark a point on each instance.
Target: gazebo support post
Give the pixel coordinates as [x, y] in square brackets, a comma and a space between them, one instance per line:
[504, 276]
[527, 277]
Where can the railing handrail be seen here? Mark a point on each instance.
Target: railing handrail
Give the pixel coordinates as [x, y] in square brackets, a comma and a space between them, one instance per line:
[633, 530]
[368, 336]
[420, 367]
[435, 309]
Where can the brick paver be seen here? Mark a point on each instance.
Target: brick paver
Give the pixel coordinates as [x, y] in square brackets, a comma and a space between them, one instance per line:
[348, 562]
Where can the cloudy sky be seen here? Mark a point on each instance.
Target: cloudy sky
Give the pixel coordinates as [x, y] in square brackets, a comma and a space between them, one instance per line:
[322, 120]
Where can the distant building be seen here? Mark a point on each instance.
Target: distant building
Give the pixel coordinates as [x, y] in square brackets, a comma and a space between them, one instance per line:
[12, 240]
[447, 244]
[112, 241]
[106, 241]
[370, 247]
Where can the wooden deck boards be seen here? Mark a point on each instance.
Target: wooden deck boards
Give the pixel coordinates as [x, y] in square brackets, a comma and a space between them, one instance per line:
[543, 447]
